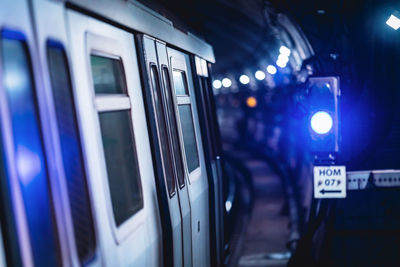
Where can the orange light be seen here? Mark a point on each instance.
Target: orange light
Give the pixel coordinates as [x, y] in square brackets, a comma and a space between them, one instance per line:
[251, 102]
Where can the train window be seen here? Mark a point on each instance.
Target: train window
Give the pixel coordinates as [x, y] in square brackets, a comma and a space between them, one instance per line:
[174, 131]
[71, 152]
[162, 130]
[28, 149]
[122, 164]
[189, 138]
[107, 74]
[180, 83]
[208, 116]
[118, 139]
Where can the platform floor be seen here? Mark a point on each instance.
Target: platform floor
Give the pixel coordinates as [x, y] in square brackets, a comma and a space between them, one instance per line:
[264, 239]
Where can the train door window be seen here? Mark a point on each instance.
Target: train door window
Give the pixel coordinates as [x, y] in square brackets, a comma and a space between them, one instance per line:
[107, 75]
[179, 82]
[180, 172]
[186, 121]
[162, 130]
[118, 138]
[189, 138]
[208, 114]
[28, 148]
[71, 152]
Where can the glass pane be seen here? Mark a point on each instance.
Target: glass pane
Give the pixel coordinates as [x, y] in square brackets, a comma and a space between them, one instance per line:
[28, 150]
[162, 131]
[122, 164]
[71, 153]
[7, 220]
[108, 75]
[179, 82]
[207, 110]
[173, 128]
[189, 138]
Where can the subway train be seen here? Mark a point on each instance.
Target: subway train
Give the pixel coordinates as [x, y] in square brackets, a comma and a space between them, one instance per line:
[110, 150]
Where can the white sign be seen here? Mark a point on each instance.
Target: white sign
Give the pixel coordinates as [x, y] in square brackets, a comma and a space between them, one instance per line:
[330, 182]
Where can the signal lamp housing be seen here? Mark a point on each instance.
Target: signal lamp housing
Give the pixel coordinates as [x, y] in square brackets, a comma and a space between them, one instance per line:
[323, 122]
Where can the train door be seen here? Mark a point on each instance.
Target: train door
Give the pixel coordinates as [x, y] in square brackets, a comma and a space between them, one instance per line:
[115, 142]
[73, 205]
[192, 146]
[210, 137]
[2, 255]
[28, 223]
[163, 114]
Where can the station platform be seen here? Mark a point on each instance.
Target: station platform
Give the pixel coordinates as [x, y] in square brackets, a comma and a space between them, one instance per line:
[262, 241]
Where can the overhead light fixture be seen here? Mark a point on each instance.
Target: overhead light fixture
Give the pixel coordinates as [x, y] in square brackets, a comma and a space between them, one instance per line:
[217, 84]
[281, 63]
[260, 75]
[271, 69]
[284, 51]
[244, 79]
[393, 22]
[283, 58]
[226, 82]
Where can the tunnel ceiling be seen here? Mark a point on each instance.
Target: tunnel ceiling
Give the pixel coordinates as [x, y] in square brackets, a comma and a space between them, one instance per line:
[240, 30]
[350, 40]
[236, 29]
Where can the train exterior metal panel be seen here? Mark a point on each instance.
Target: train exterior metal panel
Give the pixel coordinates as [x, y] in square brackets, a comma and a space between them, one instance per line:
[175, 200]
[50, 25]
[116, 34]
[137, 17]
[15, 17]
[197, 178]
[137, 240]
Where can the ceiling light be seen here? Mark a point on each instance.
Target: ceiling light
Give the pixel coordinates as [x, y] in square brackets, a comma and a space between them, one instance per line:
[226, 82]
[217, 84]
[284, 51]
[260, 75]
[281, 63]
[393, 22]
[271, 69]
[244, 79]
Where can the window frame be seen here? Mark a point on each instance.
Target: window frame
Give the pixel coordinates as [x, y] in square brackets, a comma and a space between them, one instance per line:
[171, 91]
[152, 66]
[103, 46]
[51, 43]
[179, 65]
[7, 138]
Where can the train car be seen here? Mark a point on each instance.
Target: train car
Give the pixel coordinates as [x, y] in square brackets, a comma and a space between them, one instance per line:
[110, 152]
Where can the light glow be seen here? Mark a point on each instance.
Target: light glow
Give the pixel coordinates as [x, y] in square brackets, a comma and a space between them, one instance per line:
[226, 82]
[14, 80]
[244, 79]
[283, 58]
[393, 22]
[228, 205]
[284, 51]
[271, 69]
[251, 102]
[260, 75]
[28, 164]
[321, 122]
[281, 63]
[217, 84]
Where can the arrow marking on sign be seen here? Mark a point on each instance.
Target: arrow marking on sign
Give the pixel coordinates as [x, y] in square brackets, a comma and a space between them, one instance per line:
[323, 191]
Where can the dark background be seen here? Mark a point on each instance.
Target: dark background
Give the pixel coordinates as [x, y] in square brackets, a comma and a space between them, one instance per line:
[350, 40]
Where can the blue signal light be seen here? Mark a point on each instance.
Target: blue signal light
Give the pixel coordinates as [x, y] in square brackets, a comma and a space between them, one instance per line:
[321, 122]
